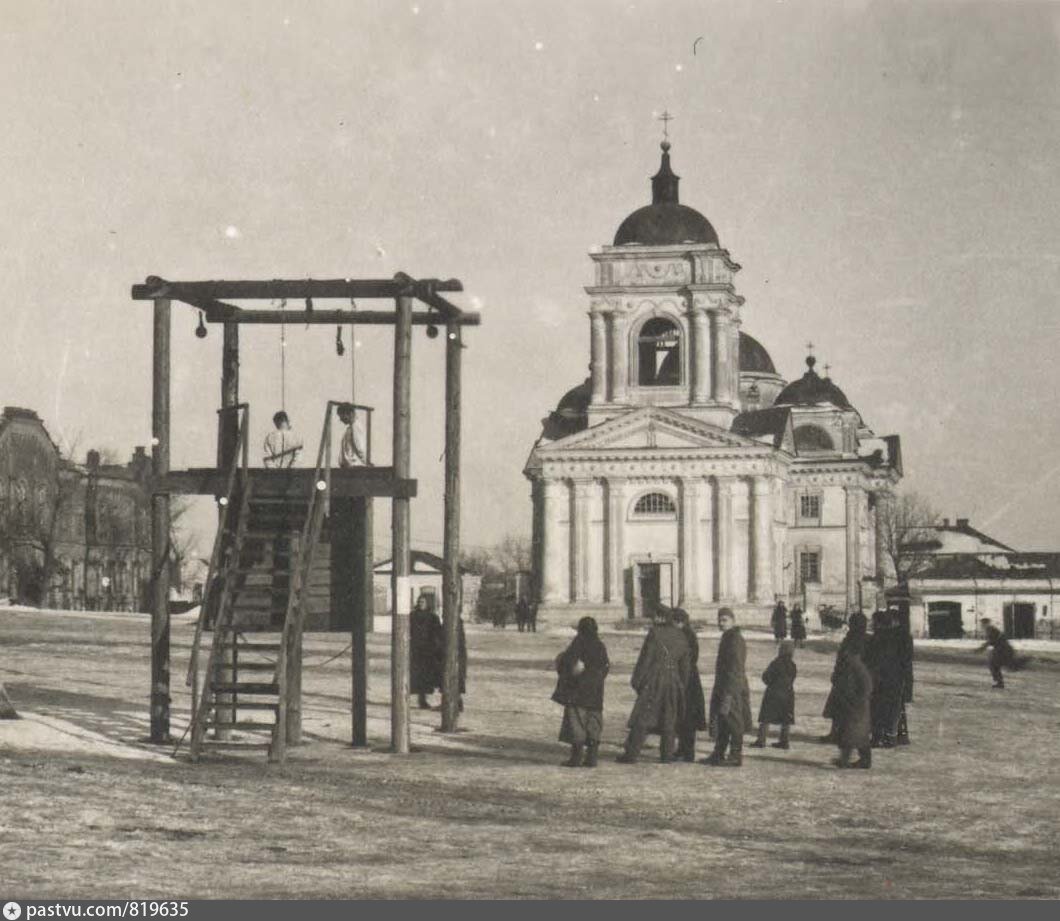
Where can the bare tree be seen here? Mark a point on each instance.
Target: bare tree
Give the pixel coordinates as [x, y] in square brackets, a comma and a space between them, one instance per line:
[908, 522]
[512, 554]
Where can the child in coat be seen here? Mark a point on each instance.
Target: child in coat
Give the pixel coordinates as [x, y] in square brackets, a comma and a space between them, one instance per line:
[778, 704]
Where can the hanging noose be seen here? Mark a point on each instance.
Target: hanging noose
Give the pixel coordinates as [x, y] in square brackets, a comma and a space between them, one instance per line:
[283, 355]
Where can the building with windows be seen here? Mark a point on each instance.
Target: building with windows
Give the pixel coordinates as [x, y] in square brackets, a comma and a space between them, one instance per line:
[71, 535]
[686, 470]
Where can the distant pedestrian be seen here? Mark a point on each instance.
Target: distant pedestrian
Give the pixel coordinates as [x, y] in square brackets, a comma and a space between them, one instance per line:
[522, 615]
[426, 645]
[532, 622]
[693, 716]
[730, 699]
[778, 702]
[582, 668]
[780, 620]
[852, 696]
[1002, 655]
[798, 626]
[660, 678]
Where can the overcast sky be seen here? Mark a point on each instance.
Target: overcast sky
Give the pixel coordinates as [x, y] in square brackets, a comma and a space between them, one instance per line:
[886, 175]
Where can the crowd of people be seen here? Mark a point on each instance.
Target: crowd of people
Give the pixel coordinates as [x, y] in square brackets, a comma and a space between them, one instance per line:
[872, 682]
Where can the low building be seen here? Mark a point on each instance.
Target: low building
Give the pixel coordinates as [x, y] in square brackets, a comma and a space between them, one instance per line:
[425, 579]
[74, 536]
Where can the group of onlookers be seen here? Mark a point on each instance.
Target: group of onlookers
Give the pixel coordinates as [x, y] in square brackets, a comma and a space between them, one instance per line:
[871, 684]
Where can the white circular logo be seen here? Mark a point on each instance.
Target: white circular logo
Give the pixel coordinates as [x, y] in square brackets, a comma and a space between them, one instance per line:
[12, 911]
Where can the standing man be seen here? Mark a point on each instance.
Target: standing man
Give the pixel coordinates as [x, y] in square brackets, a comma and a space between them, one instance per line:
[659, 678]
[522, 615]
[353, 451]
[1002, 655]
[798, 625]
[282, 445]
[780, 621]
[730, 701]
[693, 716]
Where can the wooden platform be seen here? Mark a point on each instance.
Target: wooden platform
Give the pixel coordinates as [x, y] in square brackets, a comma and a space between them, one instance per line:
[292, 483]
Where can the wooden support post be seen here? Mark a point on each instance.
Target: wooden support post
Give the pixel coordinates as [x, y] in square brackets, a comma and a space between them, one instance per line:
[451, 583]
[400, 531]
[294, 687]
[362, 618]
[160, 526]
[227, 449]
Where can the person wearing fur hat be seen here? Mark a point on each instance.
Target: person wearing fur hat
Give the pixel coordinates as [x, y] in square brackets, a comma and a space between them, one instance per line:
[778, 702]
[730, 700]
[582, 668]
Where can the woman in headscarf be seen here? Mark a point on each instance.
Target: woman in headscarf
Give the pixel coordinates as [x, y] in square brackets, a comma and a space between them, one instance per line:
[693, 716]
[582, 668]
[852, 695]
[857, 626]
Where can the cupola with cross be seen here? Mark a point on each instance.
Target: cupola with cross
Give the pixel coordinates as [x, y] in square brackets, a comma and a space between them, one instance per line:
[664, 313]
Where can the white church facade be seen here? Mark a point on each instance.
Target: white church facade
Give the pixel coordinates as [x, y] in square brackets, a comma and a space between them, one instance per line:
[685, 470]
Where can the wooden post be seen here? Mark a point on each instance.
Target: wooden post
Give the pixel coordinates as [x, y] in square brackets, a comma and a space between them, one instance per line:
[160, 526]
[451, 594]
[362, 618]
[227, 449]
[400, 530]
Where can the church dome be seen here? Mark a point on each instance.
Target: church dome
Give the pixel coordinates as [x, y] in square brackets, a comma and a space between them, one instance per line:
[754, 359]
[571, 413]
[665, 221]
[811, 389]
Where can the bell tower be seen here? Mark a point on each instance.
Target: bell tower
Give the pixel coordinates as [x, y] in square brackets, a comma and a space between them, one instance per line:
[664, 313]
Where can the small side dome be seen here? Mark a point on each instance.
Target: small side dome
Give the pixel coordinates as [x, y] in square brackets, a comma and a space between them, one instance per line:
[754, 359]
[811, 389]
[571, 413]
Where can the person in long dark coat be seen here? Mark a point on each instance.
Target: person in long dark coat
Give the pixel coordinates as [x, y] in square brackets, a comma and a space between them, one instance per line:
[522, 614]
[778, 702]
[884, 660]
[857, 625]
[906, 654]
[1002, 655]
[426, 641]
[798, 625]
[660, 678]
[779, 620]
[852, 693]
[693, 717]
[582, 668]
[730, 699]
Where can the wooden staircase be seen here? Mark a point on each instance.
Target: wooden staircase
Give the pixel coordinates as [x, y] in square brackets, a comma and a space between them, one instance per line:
[255, 603]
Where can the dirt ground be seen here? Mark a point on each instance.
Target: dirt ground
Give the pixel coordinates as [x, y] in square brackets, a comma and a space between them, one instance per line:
[971, 809]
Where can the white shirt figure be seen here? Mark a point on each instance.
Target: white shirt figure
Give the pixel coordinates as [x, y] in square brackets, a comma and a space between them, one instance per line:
[282, 446]
[354, 450]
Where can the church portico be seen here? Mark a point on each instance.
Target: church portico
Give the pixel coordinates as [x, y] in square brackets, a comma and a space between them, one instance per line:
[685, 470]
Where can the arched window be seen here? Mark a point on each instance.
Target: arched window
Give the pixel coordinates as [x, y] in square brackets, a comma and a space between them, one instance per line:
[659, 353]
[813, 438]
[654, 505]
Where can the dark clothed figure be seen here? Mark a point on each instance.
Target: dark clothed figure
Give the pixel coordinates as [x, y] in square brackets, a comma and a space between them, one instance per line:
[522, 615]
[906, 655]
[778, 702]
[426, 643]
[660, 678]
[798, 626]
[1002, 655]
[780, 621]
[582, 668]
[693, 716]
[532, 621]
[857, 626]
[730, 699]
[851, 705]
[885, 659]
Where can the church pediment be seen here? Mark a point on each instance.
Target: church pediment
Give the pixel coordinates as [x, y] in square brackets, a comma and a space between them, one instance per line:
[649, 428]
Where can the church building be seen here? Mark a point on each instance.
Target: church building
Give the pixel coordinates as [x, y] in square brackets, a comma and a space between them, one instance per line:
[686, 470]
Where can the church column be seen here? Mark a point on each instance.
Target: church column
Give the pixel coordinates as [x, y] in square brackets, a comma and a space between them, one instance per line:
[689, 555]
[598, 348]
[883, 513]
[721, 355]
[553, 498]
[762, 539]
[616, 523]
[586, 555]
[619, 357]
[701, 382]
[723, 539]
[853, 497]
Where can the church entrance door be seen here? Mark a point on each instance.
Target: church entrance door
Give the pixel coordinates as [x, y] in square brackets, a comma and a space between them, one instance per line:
[653, 587]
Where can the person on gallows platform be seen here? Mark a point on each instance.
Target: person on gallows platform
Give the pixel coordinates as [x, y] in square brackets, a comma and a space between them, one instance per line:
[730, 700]
[353, 451]
[582, 668]
[282, 445]
[660, 679]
